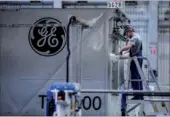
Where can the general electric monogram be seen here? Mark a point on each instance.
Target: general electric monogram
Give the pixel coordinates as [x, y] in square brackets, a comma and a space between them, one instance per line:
[47, 37]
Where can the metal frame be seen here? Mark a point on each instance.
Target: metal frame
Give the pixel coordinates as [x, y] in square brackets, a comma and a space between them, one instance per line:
[127, 92]
[120, 14]
[28, 25]
[26, 4]
[146, 86]
[148, 100]
[65, 4]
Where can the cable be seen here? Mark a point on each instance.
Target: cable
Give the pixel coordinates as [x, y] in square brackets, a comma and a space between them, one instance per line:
[71, 20]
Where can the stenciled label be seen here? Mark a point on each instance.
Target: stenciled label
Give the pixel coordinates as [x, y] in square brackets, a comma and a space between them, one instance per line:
[115, 4]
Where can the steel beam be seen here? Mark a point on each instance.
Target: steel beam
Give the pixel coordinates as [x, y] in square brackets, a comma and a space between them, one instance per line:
[131, 109]
[28, 25]
[86, 3]
[127, 92]
[119, 13]
[148, 100]
[28, 2]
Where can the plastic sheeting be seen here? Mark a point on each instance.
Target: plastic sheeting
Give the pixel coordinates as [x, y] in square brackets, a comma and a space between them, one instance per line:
[96, 41]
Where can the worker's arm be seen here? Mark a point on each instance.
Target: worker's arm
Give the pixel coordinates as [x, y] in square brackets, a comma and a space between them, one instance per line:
[126, 52]
[127, 47]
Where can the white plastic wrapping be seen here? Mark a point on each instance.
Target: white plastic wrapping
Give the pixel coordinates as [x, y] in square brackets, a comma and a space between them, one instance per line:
[96, 40]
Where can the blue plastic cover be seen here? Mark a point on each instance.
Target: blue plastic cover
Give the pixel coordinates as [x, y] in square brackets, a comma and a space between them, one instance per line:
[63, 86]
[49, 94]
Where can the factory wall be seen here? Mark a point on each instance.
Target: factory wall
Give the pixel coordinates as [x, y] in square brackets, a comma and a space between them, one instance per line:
[149, 21]
[164, 44]
[139, 16]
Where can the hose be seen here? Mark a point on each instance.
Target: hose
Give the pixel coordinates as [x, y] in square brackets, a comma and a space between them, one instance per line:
[71, 20]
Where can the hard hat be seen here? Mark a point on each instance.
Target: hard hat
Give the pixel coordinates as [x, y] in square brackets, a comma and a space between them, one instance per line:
[127, 29]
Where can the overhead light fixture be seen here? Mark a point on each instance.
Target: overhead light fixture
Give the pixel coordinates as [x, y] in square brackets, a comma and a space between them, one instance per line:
[131, 3]
[82, 2]
[35, 1]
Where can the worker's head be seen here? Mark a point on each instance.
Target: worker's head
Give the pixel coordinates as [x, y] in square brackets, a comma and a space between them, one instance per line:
[129, 32]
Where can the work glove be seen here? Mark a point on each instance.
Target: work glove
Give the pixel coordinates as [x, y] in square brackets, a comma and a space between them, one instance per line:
[114, 57]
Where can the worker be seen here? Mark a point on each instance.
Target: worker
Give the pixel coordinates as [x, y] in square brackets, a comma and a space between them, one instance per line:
[134, 46]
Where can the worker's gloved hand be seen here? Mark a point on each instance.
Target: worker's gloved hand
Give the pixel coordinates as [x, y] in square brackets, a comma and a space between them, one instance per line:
[114, 57]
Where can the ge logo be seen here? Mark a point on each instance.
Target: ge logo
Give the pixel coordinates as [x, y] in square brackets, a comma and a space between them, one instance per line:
[47, 40]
